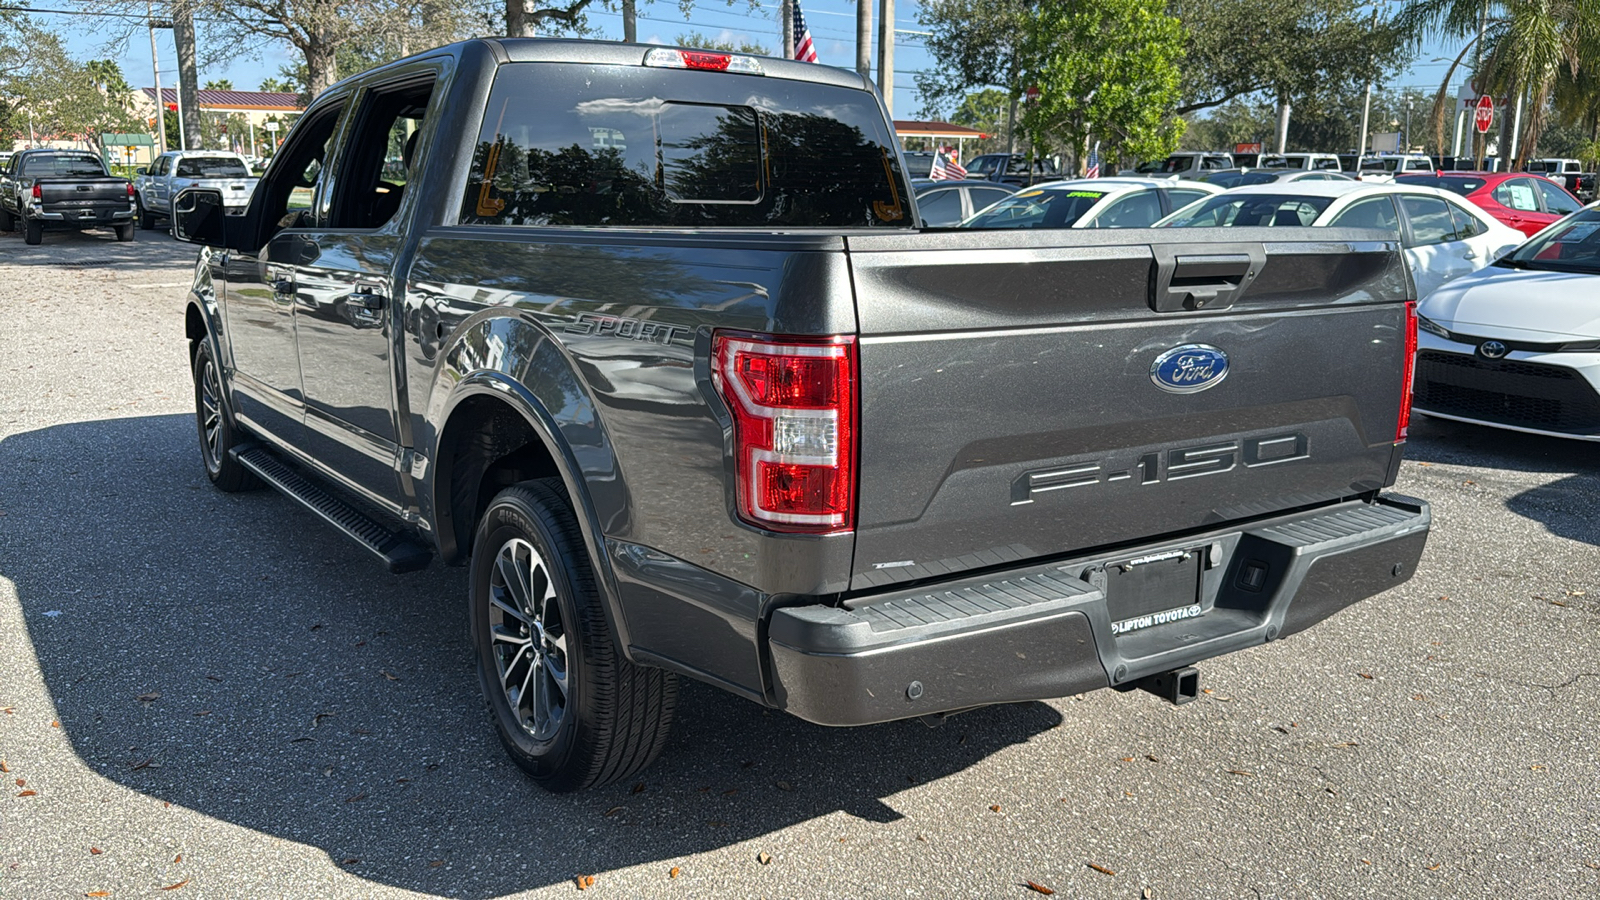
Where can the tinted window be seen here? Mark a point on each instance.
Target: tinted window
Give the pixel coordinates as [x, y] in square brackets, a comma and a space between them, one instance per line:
[1181, 197]
[1254, 178]
[1573, 245]
[1224, 179]
[61, 165]
[982, 197]
[940, 207]
[1140, 210]
[1556, 200]
[1252, 210]
[1462, 186]
[1467, 224]
[636, 147]
[1037, 209]
[918, 165]
[211, 167]
[985, 165]
[1430, 220]
[1517, 193]
[1377, 212]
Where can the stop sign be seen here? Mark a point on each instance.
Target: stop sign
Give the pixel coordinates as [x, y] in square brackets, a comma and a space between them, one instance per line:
[1483, 116]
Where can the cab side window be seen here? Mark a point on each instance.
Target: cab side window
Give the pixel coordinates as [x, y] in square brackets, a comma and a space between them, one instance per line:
[286, 197]
[381, 156]
[1557, 202]
[1430, 220]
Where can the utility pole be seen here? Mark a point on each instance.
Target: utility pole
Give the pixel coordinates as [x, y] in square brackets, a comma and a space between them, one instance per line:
[1480, 141]
[630, 23]
[155, 70]
[788, 29]
[864, 38]
[886, 52]
[1366, 107]
[188, 77]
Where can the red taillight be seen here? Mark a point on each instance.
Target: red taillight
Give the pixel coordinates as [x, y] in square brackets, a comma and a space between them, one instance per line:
[794, 411]
[37, 194]
[130, 190]
[1409, 370]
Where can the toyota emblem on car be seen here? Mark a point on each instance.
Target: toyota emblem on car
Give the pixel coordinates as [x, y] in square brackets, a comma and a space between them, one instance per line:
[1493, 349]
[1189, 369]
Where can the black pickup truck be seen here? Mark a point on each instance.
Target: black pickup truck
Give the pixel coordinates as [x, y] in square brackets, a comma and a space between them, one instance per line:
[648, 340]
[63, 189]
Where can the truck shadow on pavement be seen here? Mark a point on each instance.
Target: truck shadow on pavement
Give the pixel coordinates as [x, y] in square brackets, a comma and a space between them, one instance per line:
[232, 655]
[97, 248]
[1563, 507]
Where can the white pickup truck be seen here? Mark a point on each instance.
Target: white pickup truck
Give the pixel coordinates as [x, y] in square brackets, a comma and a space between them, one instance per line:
[227, 173]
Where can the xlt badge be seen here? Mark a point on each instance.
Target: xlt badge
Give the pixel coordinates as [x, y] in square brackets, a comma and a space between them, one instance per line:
[1177, 463]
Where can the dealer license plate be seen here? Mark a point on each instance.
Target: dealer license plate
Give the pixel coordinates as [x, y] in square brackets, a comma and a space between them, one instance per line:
[1152, 590]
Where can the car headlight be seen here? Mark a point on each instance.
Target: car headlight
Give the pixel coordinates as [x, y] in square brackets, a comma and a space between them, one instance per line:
[1432, 327]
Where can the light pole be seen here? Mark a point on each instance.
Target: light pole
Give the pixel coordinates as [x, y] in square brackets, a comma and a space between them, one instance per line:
[155, 70]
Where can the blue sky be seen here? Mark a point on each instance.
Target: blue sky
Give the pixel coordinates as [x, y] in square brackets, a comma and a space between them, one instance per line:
[832, 25]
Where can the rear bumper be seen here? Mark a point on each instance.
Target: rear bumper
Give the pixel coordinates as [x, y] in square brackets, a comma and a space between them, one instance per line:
[1042, 632]
[85, 217]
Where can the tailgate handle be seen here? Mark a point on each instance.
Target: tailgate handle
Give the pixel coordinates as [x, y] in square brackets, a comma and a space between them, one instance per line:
[1206, 276]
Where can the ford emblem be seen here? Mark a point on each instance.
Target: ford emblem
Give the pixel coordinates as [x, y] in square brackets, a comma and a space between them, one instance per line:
[1189, 369]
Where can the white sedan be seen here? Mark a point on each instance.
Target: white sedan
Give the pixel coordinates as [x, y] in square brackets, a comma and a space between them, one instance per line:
[1517, 345]
[1444, 236]
[1092, 203]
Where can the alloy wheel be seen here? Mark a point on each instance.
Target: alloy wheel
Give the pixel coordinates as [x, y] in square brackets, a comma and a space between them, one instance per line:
[528, 639]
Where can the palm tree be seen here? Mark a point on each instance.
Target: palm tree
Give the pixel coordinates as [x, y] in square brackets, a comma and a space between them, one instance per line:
[1522, 46]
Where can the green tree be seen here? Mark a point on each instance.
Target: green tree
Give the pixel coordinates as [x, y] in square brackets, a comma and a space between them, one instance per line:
[219, 84]
[1106, 70]
[277, 86]
[58, 97]
[706, 42]
[1290, 49]
[974, 44]
[985, 110]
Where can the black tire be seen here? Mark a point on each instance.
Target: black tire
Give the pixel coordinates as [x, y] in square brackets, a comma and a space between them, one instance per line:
[146, 220]
[32, 232]
[124, 232]
[217, 432]
[8, 222]
[614, 717]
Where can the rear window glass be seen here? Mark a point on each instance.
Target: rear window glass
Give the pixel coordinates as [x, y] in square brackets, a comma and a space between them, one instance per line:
[575, 145]
[211, 167]
[1462, 186]
[1037, 209]
[1251, 210]
[60, 165]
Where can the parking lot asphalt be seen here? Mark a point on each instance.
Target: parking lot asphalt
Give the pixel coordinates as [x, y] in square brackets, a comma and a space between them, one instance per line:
[218, 694]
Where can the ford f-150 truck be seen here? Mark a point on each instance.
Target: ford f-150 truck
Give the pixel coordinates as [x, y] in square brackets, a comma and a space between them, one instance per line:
[647, 339]
[63, 189]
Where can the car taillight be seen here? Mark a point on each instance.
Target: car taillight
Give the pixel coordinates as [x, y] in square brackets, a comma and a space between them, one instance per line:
[130, 190]
[793, 401]
[37, 194]
[1409, 371]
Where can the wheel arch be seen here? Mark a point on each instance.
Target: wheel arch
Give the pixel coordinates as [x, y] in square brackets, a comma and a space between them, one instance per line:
[496, 432]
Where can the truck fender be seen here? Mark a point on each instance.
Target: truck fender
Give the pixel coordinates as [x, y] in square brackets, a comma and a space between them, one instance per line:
[519, 365]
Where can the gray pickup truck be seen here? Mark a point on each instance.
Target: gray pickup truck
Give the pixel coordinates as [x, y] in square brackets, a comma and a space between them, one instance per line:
[647, 339]
[63, 190]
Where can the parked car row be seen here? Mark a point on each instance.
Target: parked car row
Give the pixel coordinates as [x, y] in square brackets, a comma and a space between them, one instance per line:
[72, 190]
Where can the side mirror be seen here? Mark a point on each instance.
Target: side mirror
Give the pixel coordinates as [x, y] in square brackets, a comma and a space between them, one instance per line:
[142, 170]
[199, 217]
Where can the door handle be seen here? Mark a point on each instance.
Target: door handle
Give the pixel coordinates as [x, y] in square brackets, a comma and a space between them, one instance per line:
[366, 300]
[1470, 254]
[282, 286]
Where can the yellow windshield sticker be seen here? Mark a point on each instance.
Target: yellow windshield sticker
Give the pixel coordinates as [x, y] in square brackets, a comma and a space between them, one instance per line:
[1030, 193]
[1094, 194]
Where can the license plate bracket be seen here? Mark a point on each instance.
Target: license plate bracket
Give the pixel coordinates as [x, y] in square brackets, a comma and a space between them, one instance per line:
[1154, 589]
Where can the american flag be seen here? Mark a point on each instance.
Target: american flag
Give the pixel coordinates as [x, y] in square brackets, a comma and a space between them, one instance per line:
[1094, 162]
[945, 166]
[803, 49]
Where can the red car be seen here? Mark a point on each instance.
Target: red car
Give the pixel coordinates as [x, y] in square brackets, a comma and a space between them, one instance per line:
[1525, 202]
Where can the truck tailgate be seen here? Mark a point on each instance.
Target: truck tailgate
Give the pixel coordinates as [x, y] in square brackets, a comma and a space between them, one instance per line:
[1010, 407]
[65, 194]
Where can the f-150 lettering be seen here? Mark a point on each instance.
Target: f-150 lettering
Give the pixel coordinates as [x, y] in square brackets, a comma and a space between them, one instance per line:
[1170, 465]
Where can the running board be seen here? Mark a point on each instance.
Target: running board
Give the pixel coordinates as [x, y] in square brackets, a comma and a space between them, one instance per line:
[400, 552]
